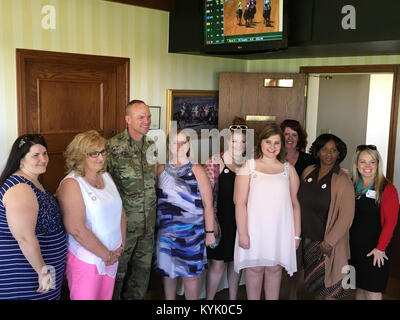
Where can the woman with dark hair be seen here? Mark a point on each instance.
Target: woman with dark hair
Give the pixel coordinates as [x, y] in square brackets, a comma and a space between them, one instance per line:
[33, 243]
[267, 216]
[221, 170]
[295, 144]
[375, 218]
[326, 196]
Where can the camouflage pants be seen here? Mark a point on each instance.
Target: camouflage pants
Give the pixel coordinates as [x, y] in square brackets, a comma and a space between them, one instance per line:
[134, 268]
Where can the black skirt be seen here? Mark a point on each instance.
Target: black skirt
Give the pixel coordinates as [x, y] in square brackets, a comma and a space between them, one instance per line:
[364, 236]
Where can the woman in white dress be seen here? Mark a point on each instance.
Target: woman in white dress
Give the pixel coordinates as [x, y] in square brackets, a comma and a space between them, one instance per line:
[267, 216]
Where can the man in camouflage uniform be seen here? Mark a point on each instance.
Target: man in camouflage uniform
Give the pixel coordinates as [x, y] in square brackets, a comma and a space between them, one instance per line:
[135, 178]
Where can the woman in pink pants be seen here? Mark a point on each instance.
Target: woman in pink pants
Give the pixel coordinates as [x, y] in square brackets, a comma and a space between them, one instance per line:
[93, 217]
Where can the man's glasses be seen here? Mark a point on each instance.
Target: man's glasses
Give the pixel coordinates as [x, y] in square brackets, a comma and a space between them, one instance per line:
[95, 154]
[363, 147]
[238, 127]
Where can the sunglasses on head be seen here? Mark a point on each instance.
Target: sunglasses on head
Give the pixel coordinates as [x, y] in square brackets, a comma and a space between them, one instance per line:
[29, 138]
[362, 147]
[238, 127]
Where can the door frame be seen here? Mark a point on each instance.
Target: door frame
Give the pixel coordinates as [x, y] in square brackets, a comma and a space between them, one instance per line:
[122, 65]
[389, 68]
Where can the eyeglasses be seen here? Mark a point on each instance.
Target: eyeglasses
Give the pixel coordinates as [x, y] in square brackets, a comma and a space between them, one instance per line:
[95, 154]
[238, 127]
[362, 147]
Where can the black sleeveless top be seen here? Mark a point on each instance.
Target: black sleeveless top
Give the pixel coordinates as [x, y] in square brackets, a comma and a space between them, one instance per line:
[226, 217]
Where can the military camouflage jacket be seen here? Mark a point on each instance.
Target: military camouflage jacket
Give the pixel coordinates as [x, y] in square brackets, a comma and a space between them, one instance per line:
[135, 179]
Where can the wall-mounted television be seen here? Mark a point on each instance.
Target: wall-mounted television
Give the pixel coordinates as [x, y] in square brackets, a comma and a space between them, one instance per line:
[237, 26]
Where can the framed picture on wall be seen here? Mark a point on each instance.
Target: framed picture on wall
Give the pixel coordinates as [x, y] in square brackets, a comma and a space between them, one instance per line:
[155, 117]
[195, 109]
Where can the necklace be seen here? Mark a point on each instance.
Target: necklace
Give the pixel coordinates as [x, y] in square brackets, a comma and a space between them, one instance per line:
[96, 183]
[178, 171]
[359, 187]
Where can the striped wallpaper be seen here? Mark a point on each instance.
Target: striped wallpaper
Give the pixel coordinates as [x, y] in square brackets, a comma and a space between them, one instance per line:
[102, 28]
[293, 65]
[105, 28]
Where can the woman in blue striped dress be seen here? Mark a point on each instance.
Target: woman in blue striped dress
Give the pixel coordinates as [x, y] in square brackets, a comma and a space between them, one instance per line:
[185, 220]
[33, 243]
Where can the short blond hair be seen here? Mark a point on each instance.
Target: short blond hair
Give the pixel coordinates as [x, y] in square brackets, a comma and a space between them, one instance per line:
[78, 149]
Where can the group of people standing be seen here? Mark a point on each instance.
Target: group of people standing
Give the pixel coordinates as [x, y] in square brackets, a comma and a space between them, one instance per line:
[117, 215]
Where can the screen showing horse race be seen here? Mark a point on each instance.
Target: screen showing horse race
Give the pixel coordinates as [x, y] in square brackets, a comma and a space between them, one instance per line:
[238, 22]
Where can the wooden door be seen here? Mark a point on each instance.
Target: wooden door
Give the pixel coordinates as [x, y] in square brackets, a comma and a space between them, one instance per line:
[62, 94]
[244, 93]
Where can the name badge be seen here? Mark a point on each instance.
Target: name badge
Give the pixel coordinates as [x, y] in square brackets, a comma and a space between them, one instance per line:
[371, 194]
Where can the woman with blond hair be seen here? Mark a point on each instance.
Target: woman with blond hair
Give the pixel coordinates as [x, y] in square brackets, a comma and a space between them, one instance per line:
[185, 219]
[377, 207]
[93, 217]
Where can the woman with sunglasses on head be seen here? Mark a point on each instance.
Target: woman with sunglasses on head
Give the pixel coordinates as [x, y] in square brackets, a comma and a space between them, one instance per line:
[377, 207]
[326, 196]
[295, 144]
[93, 217]
[33, 244]
[221, 170]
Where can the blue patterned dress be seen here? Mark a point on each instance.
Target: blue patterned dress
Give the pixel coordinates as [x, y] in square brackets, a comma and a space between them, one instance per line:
[180, 236]
[18, 280]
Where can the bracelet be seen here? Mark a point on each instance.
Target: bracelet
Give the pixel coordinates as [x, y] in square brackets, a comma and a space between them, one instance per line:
[297, 238]
[210, 231]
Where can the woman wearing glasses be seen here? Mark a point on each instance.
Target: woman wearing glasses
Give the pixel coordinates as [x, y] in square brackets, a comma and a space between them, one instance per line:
[326, 198]
[93, 217]
[33, 242]
[377, 207]
[185, 219]
[221, 170]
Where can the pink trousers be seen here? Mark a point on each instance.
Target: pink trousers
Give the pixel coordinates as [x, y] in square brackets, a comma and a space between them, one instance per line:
[84, 281]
